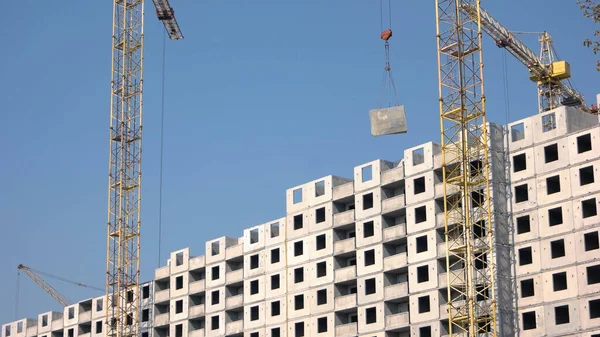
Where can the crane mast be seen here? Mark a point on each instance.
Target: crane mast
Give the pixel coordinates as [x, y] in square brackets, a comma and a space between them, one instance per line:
[549, 75]
[125, 161]
[470, 266]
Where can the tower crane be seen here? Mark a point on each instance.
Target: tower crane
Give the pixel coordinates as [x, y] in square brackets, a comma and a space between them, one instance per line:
[35, 275]
[551, 76]
[125, 159]
[470, 266]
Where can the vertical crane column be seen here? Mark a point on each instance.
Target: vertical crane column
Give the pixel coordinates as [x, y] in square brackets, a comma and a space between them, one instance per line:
[123, 246]
[468, 225]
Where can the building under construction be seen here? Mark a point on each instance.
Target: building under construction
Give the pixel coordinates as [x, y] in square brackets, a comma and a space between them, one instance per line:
[365, 256]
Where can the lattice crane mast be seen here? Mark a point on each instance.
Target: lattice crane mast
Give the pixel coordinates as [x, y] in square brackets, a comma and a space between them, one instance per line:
[35, 275]
[470, 266]
[123, 243]
[551, 76]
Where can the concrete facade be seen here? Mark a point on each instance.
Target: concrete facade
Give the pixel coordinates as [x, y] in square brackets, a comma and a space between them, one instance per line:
[366, 256]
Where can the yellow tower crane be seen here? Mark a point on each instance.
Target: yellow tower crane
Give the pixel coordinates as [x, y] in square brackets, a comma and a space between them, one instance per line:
[465, 167]
[125, 160]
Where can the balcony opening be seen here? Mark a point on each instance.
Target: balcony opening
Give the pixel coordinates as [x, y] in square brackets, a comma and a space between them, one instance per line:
[424, 304]
[525, 256]
[421, 243]
[419, 185]
[422, 274]
[551, 153]
[254, 236]
[555, 216]
[420, 214]
[519, 163]
[591, 241]
[588, 208]
[586, 175]
[321, 296]
[298, 222]
[529, 320]
[523, 224]
[517, 132]
[521, 193]
[370, 286]
[559, 281]
[552, 185]
[557, 248]
[593, 274]
[320, 242]
[561, 315]
[320, 215]
[275, 256]
[367, 201]
[254, 261]
[584, 143]
[371, 315]
[527, 288]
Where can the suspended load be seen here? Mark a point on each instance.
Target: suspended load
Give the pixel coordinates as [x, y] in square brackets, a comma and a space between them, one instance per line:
[392, 119]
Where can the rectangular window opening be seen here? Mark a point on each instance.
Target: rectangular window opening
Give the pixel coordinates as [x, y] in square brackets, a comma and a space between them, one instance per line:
[179, 282]
[517, 132]
[529, 320]
[418, 156]
[320, 215]
[557, 248]
[214, 297]
[367, 173]
[588, 208]
[559, 281]
[371, 315]
[521, 193]
[254, 261]
[594, 308]
[555, 216]
[321, 296]
[297, 196]
[276, 332]
[367, 201]
[527, 288]
[552, 185]
[419, 185]
[275, 308]
[421, 244]
[561, 314]
[420, 214]
[591, 241]
[584, 143]
[322, 324]
[523, 224]
[519, 163]
[299, 275]
[593, 274]
[254, 313]
[321, 269]
[586, 175]
[525, 256]
[425, 331]
[368, 229]
[275, 230]
[275, 255]
[299, 302]
[253, 287]
[214, 248]
[320, 242]
[422, 274]
[254, 236]
[551, 153]
[214, 323]
[320, 188]
[369, 257]
[298, 221]
[424, 304]
[298, 248]
[274, 282]
[215, 272]
[549, 122]
[370, 286]
[299, 329]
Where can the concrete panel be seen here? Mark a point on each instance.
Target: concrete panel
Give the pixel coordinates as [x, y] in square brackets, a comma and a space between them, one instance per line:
[374, 237]
[343, 191]
[328, 330]
[253, 324]
[210, 331]
[377, 295]
[535, 264]
[431, 251]
[320, 191]
[520, 134]
[184, 283]
[585, 155]
[328, 306]
[576, 180]
[254, 238]
[540, 324]
[197, 263]
[304, 304]
[98, 307]
[317, 223]
[538, 290]
[569, 249]
[579, 221]
[436, 329]
[434, 307]
[420, 158]
[308, 277]
[581, 253]
[363, 269]
[541, 164]
[379, 324]
[269, 265]
[302, 192]
[275, 232]
[372, 175]
[413, 194]
[393, 175]
[548, 213]
[291, 326]
[516, 162]
[316, 280]
[260, 295]
[359, 201]
[534, 232]
[412, 226]
[567, 120]
[587, 322]
[215, 250]
[531, 201]
[553, 329]
[296, 232]
[71, 315]
[274, 317]
[564, 178]
[276, 292]
[209, 307]
[260, 269]
[282, 330]
[585, 288]
[293, 259]
[50, 321]
[320, 253]
[572, 285]
[215, 275]
[431, 283]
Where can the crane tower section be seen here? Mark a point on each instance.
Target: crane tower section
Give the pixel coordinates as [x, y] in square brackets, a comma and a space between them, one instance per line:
[467, 208]
[123, 246]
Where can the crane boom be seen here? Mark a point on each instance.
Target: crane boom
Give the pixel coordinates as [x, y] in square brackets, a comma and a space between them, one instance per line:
[470, 262]
[166, 14]
[552, 90]
[48, 288]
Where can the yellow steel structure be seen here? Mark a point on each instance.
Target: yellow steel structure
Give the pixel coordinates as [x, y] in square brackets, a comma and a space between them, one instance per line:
[123, 245]
[468, 218]
[60, 298]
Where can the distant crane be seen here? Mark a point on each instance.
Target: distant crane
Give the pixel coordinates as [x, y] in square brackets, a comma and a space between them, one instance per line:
[551, 76]
[125, 174]
[35, 276]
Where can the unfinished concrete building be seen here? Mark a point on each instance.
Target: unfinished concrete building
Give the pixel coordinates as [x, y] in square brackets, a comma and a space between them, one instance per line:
[366, 256]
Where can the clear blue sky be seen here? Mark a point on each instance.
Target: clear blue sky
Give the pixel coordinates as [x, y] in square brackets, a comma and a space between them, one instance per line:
[261, 96]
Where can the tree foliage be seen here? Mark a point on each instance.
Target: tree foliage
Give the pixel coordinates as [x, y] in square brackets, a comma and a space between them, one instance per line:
[591, 10]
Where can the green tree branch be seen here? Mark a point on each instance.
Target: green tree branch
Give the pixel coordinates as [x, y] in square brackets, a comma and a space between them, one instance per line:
[591, 10]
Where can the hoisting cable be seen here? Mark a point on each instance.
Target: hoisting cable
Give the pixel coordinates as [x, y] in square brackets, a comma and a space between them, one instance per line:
[162, 122]
[17, 295]
[388, 80]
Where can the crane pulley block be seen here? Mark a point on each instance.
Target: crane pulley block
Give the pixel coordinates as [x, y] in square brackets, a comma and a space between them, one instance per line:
[386, 34]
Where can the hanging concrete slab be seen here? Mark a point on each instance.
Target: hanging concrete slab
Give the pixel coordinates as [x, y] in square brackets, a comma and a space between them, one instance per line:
[388, 121]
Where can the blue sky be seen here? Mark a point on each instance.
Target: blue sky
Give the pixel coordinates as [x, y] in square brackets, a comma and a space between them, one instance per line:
[260, 96]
